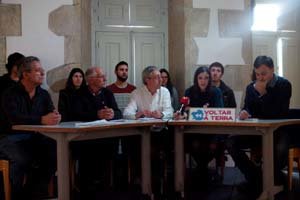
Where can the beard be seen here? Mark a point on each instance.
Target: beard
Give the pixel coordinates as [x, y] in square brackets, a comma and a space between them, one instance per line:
[122, 79]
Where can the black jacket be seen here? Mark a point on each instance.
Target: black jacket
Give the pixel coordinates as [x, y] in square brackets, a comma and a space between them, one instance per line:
[5, 83]
[228, 96]
[18, 108]
[274, 104]
[82, 105]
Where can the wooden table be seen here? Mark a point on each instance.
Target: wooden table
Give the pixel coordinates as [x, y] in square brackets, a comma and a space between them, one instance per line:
[66, 132]
[265, 128]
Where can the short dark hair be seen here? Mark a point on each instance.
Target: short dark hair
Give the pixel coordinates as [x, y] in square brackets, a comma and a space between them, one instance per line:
[26, 65]
[263, 60]
[217, 64]
[119, 64]
[14, 59]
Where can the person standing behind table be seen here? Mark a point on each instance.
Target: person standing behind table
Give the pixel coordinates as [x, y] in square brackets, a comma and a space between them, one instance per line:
[121, 88]
[121, 85]
[27, 103]
[70, 98]
[217, 71]
[166, 82]
[267, 97]
[11, 77]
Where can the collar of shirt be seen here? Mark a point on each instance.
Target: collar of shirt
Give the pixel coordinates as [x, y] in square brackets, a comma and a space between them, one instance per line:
[145, 89]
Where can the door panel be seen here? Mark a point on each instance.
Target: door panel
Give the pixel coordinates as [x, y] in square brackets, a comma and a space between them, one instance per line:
[148, 50]
[111, 48]
[291, 68]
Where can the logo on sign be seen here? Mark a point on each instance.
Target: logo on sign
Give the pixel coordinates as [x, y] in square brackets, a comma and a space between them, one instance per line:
[212, 114]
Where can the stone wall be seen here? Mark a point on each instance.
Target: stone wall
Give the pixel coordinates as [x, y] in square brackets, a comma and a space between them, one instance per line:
[187, 23]
[10, 25]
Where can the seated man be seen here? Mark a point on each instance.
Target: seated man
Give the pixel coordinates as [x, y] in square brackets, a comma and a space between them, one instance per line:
[97, 101]
[121, 88]
[27, 103]
[151, 100]
[267, 97]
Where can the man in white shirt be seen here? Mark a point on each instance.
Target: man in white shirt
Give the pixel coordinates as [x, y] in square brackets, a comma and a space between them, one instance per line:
[151, 100]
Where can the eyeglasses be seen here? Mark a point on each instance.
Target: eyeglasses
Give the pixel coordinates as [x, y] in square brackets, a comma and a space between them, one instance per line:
[98, 76]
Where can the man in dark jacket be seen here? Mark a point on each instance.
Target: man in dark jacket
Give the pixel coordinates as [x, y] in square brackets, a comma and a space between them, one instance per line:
[216, 70]
[27, 103]
[267, 97]
[101, 103]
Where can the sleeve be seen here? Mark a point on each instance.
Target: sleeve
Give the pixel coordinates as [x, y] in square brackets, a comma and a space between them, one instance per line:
[167, 109]
[175, 98]
[276, 102]
[231, 99]
[250, 97]
[131, 108]
[113, 104]
[63, 106]
[218, 98]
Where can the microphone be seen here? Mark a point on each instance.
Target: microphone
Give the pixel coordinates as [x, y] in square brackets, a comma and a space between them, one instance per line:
[185, 101]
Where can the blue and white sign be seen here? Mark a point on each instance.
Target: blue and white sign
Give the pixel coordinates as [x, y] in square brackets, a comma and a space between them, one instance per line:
[212, 114]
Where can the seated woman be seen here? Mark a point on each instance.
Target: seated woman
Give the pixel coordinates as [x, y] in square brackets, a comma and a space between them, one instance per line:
[202, 148]
[202, 93]
[166, 82]
[69, 98]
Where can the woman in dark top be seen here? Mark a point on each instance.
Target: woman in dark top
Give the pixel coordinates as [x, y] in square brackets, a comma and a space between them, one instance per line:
[71, 95]
[202, 93]
[203, 148]
[166, 82]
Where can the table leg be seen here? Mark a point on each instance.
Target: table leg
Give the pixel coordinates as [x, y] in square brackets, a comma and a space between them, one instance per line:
[146, 163]
[269, 189]
[179, 161]
[63, 176]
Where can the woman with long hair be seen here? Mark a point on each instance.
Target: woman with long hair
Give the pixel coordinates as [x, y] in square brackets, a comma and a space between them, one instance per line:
[205, 147]
[202, 93]
[69, 98]
[166, 82]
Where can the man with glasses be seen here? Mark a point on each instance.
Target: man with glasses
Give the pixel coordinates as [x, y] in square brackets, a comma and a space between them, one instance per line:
[97, 102]
[151, 100]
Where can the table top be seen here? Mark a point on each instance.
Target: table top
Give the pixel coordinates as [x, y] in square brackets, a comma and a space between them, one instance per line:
[244, 123]
[70, 127]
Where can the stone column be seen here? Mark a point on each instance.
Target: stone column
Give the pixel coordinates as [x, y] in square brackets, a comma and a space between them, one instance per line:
[74, 23]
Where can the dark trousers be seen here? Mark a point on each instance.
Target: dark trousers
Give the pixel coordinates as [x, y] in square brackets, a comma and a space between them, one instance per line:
[284, 138]
[33, 155]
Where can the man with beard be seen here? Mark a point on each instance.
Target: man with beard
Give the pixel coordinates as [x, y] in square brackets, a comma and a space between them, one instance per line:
[121, 88]
[121, 85]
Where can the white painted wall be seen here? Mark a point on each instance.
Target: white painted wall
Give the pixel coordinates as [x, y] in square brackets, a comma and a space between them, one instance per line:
[213, 48]
[37, 39]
